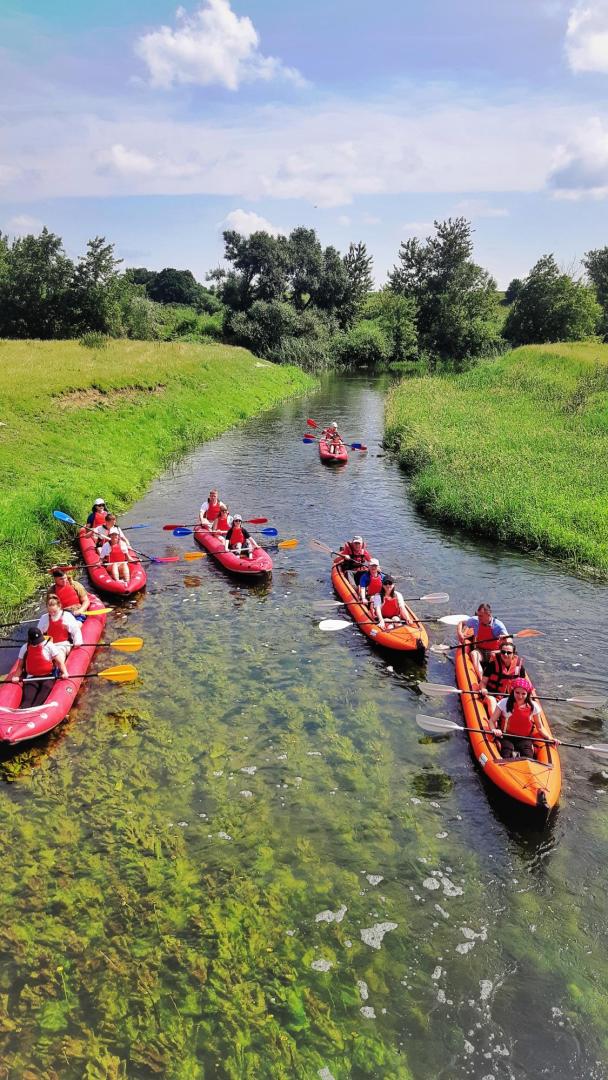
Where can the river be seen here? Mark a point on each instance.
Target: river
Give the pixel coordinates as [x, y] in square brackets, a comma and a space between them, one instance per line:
[251, 863]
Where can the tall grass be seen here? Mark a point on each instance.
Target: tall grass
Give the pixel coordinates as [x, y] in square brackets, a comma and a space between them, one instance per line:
[515, 449]
[77, 423]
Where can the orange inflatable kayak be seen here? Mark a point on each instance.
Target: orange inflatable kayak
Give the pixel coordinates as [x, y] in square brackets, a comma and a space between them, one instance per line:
[404, 638]
[534, 782]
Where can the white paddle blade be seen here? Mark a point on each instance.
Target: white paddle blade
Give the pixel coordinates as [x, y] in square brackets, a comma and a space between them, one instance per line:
[436, 725]
[589, 702]
[436, 598]
[601, 750]
[441, 649]
[436, 688]
[452, 620]
[334, 624]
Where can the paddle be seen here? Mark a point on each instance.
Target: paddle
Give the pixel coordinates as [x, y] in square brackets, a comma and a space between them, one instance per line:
[126, 644]
[430, 598]
[182, 530]
[436, 725]
[24, 622]
[120, 674]
[247, 521]
[437, 688]
[284, 543]
[528, 632]
[59, 514]
[352, 445]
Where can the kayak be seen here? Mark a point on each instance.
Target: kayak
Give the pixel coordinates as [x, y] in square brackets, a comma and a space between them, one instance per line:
[404, 638]
[16, 724]
[534, 782]
[339, 458]
[259, 564]
[99, 575]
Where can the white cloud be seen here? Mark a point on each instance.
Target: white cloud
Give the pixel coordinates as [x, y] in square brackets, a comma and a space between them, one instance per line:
[480, 208]
[128, 163]
[23, 224]
[587, 36]
[581, 166]
[247, 222]
[214, 46]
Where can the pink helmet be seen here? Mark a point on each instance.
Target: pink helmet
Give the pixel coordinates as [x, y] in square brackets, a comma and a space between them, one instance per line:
[522, 684]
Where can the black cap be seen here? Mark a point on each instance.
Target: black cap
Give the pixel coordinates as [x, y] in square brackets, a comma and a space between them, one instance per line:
[58, 572]
[389, 580]
[34, 636]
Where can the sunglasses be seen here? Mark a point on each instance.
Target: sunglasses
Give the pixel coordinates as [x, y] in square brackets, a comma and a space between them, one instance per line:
[507, 652]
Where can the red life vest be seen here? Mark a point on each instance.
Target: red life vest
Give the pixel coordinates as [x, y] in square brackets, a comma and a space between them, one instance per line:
[390, 607]
[68, 596]
[520, 721]
[116, 554]
[237, 536]
[36, 662]
[499, 681]
[99, 518]
[58, 631]
[374, 586]
[221, 522]
[485, 639]
[358, 558]
[212, 511]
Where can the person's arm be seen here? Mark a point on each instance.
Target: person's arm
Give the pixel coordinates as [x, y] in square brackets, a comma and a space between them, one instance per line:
[73, 628]
[402, 608]
[17, 677]
[201, 514]
[463, 630]
[105, 551]
[362, 585]
[83, 596]
[248, 537]
[496, 718]
[43, 623]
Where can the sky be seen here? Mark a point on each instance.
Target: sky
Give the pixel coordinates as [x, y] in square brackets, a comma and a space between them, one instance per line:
[158, 127]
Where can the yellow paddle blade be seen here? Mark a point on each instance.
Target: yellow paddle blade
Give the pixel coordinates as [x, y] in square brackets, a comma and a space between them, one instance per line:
[190, 556]
[99, 611]
[288, 543]
[528, 633]
[127, 644]
[121, 673]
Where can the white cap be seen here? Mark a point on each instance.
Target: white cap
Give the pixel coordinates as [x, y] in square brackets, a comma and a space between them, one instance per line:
[237, 517]
[374, 562]
[357, 540]
[114, 531]
[99, 502]
[333, 424]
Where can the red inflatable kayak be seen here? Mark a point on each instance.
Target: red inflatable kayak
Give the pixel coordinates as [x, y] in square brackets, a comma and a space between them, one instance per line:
[17, 725]
[261, 563]
[406, 638]
[99, 575]
[339, 458]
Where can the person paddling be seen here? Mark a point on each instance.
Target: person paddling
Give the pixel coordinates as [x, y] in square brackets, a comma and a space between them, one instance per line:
[354, 557]
[72, 595]
[500, 672]
[97, 516]
[222, 520]
[486, 632]
[60, 626]
[102, 532]
[370, 585]
[390, 610]
[333, 438]
[115, 556]
[210, 509]
[239, 540]
[518, 715]
[38, 659]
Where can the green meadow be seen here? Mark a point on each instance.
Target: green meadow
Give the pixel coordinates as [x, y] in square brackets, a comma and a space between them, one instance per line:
[77, 423]
[516, 449]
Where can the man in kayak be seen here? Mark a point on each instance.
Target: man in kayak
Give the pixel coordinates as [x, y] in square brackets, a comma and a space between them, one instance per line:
[518, 715]
[98, 514]
[486, 632]
[210, 509]
[239, 540]
[390, 610]
[354, 557]
[102, 532]
[60, 626]
[38, 659]
[370, 585]
[115, 556]
[500, 672]
[72, 595]
[332, 437]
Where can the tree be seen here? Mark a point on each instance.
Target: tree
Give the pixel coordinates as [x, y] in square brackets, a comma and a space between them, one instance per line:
[95, 298]
[513, 290]
[551, 306]
[36, 287]
[171, 286]
[596, 265]
[396, 317]
[456, 300]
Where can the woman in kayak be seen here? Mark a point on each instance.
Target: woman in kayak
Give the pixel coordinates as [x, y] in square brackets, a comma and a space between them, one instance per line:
[390, 609]
[60, 626]
[38, 659]
[239, 540]
[486, 632]
[115, 556]
[98, 514]
[500, 672]
[72, 595]
[518, 715]
[210, 509]
[222, 520]
[354, 557]
[370, 585]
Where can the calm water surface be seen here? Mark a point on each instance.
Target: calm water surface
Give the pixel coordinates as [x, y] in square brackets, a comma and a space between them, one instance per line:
[252, 864]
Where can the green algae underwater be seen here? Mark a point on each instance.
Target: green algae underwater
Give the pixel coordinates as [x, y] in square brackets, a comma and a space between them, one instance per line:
[250, 864]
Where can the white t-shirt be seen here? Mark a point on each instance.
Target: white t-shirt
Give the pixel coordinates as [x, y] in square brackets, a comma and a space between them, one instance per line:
[502, 705]
[107, 547]
[104, 533]
[49, 651]
[71, 624]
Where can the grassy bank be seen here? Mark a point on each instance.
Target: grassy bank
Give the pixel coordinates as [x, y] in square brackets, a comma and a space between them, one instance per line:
[78, 423]
[516, 449]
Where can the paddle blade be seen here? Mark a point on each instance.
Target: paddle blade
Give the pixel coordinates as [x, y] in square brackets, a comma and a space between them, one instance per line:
[59, 514]
[318, 545]
[440, 649]
[165, 559]
[256, 521]
[99, 611]
[333, 624]
[588, 702]
[191, 556]
[170, 528]
[269, 532]
[452, 620]
[437, 688]
[127, 644]
[528, 633]
[436, 725]
[436, 598]
[601, 750]
[131, 527]
[308, 440]
[288, 543]
[312, 423]
[122, 673]
[182, 531]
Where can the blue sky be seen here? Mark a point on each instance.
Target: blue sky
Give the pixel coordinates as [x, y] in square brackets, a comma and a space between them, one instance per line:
[158, 127]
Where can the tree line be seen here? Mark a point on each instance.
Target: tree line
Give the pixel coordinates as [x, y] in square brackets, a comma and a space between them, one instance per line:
[289, 299]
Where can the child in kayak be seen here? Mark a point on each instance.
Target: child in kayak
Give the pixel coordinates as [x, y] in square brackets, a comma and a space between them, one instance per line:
[102, 532]
[222, 520]
[370, 585]
[38, 659]
[354, 557]
[60, 626]
[500, 672]
[518, 715]
[333, 438]
[72, 595]
[210, 509]
[239, 540]
[115, 556]
[390, 609]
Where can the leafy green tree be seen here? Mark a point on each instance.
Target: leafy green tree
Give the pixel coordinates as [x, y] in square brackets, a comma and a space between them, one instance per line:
[171, 286]
[364, 345]
[596, 265]
[358, 266]
[551, 306]
[396, 317]
[36, 288]
[513, 290]
[456, 300]
[95, 297]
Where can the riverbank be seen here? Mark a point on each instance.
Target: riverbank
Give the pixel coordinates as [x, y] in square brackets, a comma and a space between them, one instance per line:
[78, 423]
[515, 449]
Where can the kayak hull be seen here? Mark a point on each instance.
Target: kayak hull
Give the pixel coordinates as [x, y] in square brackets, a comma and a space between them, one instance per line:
[100, 577]
[339, 458]
[18, 725]
[534, 783]
[258, 566]
[403, 639]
